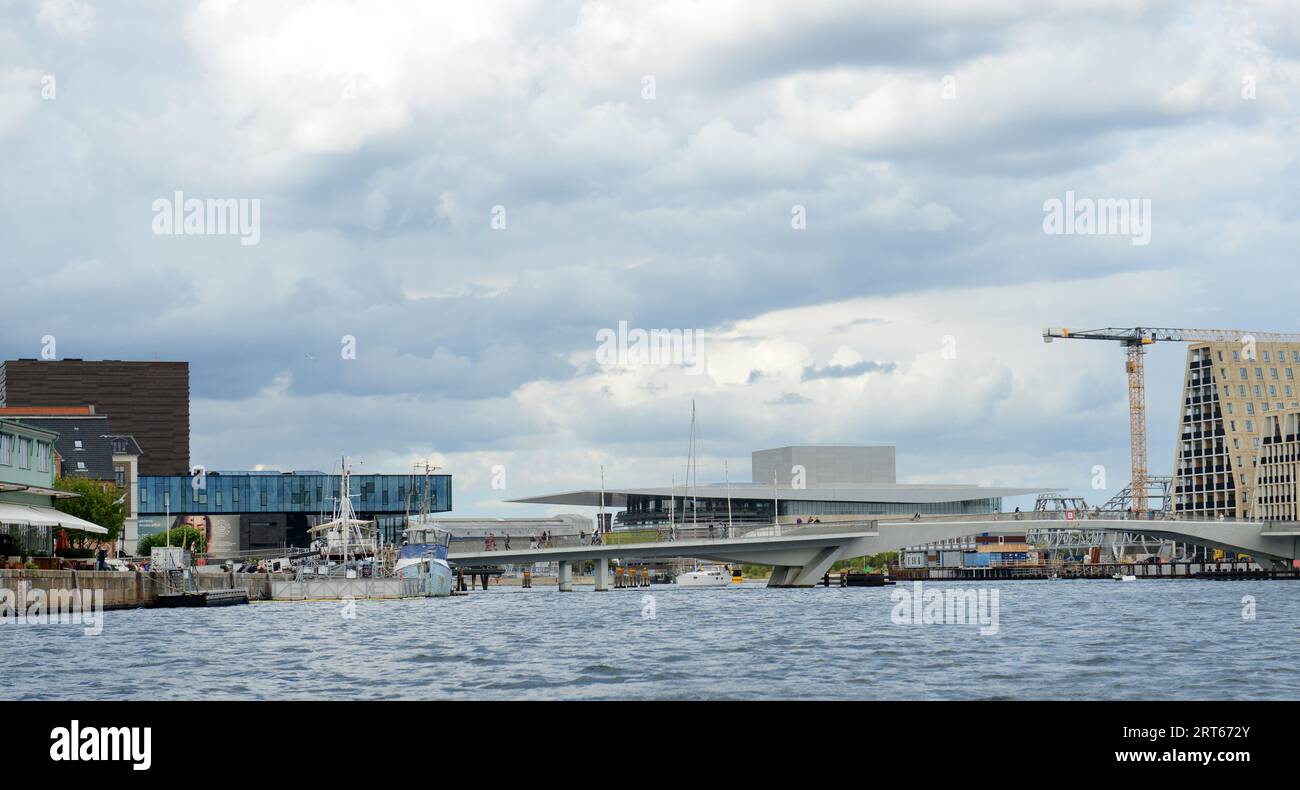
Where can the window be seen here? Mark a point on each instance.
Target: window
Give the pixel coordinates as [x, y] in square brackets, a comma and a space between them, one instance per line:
[263, 497]
[1250, 425]
[43, 457]
[234, 495]
[1266, 359]
[1220, 356]
[1259, 374]
[1236, 356]
[1230, 408]
[24, 453]
[1243, 373]
[1272, 390]
[1241, 390]
[217, 496]
[119, 475]
[1258, 391]
[1250, 409]
[76, 445]
[6, 449]
[144, 495]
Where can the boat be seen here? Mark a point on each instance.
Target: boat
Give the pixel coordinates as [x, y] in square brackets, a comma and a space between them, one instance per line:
[349, 561]
[423, 555]
[1124, 577]
[706, 576]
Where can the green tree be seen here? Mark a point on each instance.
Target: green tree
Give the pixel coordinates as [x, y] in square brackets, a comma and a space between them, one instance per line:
[180, 536]
[100, 503]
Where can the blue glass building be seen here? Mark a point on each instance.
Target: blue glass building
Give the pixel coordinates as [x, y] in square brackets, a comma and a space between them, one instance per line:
[264, 510]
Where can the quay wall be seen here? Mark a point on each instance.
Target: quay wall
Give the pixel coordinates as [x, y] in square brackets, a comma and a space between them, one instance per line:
[128, 589]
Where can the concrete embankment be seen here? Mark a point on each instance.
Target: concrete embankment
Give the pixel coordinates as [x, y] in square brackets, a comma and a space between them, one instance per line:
[128, 589]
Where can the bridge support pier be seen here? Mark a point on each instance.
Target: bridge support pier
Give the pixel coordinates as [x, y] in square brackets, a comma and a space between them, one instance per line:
[566, 576]
[805, 575]
[602, 574]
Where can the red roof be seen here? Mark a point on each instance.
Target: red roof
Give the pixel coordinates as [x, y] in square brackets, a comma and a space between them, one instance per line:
[47, 411]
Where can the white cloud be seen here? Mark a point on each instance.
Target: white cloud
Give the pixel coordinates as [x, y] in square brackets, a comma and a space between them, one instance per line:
[70, 19]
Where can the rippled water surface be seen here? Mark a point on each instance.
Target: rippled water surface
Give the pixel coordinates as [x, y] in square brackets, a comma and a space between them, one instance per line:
[1055, 640]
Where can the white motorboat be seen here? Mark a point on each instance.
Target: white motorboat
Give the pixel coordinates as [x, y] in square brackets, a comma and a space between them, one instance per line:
[707, 576]
[1124, 577]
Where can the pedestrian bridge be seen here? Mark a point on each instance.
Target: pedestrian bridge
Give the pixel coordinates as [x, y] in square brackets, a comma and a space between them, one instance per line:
[801, 554]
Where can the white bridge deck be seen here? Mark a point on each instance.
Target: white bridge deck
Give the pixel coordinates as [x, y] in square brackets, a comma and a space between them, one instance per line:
[800, 555]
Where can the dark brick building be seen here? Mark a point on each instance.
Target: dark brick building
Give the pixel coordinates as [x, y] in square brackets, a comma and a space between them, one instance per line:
[147, 400]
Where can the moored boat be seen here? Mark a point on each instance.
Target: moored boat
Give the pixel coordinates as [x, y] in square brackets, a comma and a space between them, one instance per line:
[706, 576]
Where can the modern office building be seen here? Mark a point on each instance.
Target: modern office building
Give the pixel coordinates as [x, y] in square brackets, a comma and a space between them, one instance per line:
[1228, 393]
[147, 400]
[810, 481]
[269, 511]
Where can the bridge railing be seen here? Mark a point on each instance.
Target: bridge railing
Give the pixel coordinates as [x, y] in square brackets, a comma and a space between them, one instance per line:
[662, 534]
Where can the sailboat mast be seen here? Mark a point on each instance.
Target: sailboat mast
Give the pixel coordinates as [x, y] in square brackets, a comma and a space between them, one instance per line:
[727, 473]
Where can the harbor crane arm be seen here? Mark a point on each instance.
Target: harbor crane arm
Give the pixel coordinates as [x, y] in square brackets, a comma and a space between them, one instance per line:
[1135, 340]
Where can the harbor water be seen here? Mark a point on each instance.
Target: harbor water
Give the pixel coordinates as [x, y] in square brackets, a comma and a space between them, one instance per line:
[1192, 640]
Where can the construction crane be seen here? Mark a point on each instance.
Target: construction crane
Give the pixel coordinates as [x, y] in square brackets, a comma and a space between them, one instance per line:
[1135, 340]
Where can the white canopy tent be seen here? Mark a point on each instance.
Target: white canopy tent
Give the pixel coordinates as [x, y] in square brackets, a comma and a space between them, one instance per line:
[37, 516]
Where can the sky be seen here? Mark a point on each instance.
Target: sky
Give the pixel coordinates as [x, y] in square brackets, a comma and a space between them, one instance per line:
[452, 207]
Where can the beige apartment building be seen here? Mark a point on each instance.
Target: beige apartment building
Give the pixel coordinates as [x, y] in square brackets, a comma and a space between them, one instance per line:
[1230, 392]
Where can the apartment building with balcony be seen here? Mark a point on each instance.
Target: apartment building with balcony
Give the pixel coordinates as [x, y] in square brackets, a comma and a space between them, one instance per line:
[1229, 390]
[1276, 492]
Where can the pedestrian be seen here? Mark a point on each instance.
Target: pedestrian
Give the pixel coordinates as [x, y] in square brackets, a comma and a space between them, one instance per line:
[101, 559]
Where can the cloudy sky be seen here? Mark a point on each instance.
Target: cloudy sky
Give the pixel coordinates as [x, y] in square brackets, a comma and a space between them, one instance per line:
[845, 201]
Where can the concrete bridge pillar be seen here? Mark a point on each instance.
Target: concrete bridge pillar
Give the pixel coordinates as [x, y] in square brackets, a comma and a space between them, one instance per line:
[566, 576]
[602, 574]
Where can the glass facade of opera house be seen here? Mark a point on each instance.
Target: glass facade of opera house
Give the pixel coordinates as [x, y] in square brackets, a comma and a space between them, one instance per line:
[265, 511]
[746, 506]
